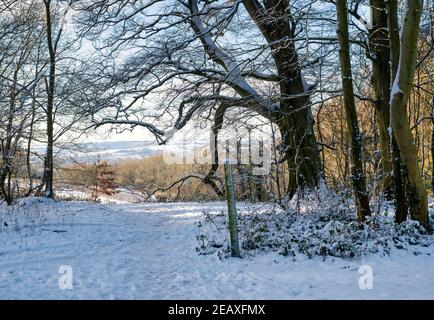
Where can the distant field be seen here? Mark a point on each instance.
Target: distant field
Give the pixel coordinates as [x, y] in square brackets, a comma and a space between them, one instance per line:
[111, 151]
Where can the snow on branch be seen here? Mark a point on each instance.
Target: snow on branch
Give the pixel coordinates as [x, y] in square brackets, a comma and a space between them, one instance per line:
[234, 76]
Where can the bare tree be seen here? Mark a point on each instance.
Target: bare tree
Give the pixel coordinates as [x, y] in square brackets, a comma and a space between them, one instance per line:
[19, 71]
[66, 96]
[182, 52]
[52, 42]
[357, 173]
[380, 54]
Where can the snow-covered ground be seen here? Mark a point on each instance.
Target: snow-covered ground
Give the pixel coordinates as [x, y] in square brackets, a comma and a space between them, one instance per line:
[148, 251]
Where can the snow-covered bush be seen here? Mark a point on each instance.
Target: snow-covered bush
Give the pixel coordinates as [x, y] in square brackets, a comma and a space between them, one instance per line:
[326, 233]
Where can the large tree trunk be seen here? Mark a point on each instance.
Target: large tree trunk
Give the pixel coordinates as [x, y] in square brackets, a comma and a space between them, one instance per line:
[292, 114]
[401, 89]
[399, 171]
[300, 151]
[295, 120]
[357, 174]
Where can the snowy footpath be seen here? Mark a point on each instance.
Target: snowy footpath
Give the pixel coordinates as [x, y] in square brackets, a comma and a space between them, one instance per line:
[148, 251]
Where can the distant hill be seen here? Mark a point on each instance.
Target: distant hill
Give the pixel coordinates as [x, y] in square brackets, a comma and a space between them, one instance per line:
[111, 151]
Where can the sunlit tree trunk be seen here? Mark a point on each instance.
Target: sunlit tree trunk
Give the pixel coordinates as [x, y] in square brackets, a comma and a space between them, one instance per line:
[383, 14]
[399, 171]
[401, 89]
